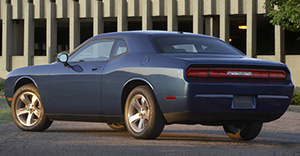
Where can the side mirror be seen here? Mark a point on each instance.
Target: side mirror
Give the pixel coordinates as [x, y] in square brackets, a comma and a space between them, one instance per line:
[63, 58]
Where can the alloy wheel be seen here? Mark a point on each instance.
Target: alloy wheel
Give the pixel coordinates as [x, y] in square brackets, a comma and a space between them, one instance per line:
[28, 109]
[138, 113]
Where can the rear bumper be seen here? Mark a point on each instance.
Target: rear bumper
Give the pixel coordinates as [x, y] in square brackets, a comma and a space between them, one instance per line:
[218, 118]
[215, 109]
[213, 104]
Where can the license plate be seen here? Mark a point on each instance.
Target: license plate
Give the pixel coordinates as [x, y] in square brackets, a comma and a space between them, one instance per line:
[243, 102]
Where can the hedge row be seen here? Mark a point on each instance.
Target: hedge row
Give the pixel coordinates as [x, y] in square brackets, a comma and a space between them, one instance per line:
[1, 85]
[295, 99]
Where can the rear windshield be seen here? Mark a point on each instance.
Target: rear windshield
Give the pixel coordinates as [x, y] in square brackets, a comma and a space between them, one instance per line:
[193, 44]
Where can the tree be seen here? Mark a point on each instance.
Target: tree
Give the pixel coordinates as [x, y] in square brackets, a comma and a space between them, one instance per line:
[285, 13]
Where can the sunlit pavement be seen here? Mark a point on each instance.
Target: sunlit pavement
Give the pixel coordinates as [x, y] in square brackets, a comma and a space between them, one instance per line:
[281, 137]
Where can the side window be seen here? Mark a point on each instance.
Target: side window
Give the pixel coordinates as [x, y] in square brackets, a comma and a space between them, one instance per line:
[119, 48]
[185, 48]
[95, 51]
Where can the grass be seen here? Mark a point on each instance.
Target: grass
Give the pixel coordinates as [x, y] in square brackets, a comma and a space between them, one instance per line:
[5, 112]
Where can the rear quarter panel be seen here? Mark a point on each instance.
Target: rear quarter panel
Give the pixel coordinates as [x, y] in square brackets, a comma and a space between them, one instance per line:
[161, 73]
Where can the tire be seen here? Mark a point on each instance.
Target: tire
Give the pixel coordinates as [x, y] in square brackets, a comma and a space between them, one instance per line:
[243, 131]
[27, 109]
[116, 126]
[142, 116]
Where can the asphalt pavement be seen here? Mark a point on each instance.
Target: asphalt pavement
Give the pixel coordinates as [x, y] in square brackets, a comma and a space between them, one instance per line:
[280, 137]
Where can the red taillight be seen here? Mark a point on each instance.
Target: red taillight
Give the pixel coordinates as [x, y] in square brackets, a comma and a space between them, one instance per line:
[260, 74]
[197, 72]
[217, 73]
[277, 74]
[235, 73]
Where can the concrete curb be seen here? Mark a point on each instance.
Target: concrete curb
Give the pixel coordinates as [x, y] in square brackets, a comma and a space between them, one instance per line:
[294, 108]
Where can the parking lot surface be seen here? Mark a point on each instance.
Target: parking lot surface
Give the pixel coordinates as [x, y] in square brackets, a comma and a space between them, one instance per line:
[280, 137]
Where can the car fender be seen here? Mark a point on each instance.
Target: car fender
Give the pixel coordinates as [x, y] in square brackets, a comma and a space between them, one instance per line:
[25, 77]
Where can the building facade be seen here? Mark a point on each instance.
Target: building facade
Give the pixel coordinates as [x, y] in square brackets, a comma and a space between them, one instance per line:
[35, 31]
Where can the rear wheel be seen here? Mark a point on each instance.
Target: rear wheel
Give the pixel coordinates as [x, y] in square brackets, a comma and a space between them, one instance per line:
[243, 131]
[27, 109]
[116, 126]
[143, 117]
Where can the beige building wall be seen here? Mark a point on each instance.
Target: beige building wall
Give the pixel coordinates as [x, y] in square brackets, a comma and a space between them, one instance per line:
[293, 62]
[28, 11]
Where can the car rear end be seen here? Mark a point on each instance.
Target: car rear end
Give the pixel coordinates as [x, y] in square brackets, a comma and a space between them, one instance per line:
[220, 84]
[225, 93]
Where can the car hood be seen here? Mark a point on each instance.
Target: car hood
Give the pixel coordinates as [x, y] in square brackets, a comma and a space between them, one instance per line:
[219, 59]
[31, 70]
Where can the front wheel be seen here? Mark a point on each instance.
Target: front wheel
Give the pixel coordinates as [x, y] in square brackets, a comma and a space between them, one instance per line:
[143, 117]
[243, 131]
[27, 109]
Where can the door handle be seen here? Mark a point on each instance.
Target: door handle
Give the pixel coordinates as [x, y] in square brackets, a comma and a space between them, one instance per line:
[96, 69]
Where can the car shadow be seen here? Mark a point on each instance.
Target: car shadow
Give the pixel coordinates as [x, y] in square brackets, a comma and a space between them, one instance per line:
[218, 136]
[206, 136]
[89, 131]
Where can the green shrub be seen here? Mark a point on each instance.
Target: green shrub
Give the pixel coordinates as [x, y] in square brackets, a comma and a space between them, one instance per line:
[296, 99]
[5, 112]
[1, 85]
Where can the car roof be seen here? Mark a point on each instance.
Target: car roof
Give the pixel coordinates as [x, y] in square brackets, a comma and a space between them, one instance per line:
[140, 41]
[148, 33]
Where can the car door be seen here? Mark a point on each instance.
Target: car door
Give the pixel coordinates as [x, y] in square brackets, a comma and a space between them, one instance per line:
[75, 88]
[114, 76]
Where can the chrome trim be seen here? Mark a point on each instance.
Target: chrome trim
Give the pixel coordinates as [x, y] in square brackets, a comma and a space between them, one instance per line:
[272, 97]
[26, 77]
[140, 79]
[214, 96]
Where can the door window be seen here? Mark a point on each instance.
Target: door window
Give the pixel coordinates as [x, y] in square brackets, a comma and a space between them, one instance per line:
[95, 51]
[120, 48]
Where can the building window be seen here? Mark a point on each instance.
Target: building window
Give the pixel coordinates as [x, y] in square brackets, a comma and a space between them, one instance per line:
[134, 23]
[237, 34]
[292, 43]
[265, 36]
[40, 38]
[86, 29]
[185, 24]
[62, 35]
[110, 25]
[160, 23]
